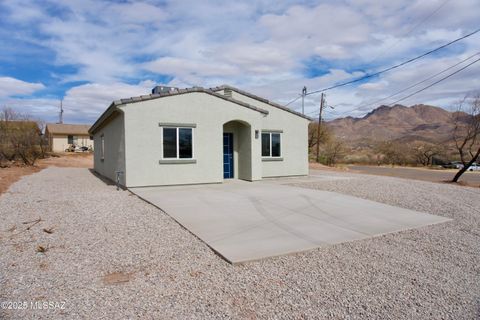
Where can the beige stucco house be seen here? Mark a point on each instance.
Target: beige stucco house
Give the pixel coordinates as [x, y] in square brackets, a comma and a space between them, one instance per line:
[196, 135]
[60, 136]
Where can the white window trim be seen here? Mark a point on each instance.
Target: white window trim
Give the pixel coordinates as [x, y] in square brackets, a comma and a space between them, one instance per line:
[178, 143]
[271, 144]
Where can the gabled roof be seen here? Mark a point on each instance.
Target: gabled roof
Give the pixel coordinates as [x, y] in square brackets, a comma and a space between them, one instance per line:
[112, 109]
[69, 129]
[251, 95]
[184, 91]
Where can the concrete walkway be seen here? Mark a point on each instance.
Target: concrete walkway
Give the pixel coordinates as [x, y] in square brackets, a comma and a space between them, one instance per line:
[245, 221]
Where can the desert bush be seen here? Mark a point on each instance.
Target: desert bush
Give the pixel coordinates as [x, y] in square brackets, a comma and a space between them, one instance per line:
[20, 138]
[393, 153]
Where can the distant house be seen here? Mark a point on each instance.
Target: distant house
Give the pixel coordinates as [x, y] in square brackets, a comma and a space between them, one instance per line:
[60, 136]
[196, 135]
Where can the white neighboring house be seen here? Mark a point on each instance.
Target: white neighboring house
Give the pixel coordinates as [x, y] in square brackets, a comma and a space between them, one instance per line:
[196, 135]
[60, 136]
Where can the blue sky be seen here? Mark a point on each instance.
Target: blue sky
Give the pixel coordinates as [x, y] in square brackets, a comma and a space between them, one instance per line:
[89, 53]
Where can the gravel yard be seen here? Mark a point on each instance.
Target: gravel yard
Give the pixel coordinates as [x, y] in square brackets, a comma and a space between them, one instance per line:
[110, 255]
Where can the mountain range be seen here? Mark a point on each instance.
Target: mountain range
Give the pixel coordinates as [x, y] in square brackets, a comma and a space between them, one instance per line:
[418, 123]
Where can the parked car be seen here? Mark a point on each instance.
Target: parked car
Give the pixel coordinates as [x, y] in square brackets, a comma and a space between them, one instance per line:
[474, 167]
[74, 148]
[81, 149]
[453, 165]
[71, 148]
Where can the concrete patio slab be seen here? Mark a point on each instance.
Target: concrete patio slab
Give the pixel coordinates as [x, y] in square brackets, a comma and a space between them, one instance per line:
[244, 221]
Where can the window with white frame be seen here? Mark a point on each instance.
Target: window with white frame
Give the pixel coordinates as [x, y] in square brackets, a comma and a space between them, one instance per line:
[271, 144]
[177, 143]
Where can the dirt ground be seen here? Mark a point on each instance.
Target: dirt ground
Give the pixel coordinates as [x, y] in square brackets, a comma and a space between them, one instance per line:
[12, 174]
[470, 179]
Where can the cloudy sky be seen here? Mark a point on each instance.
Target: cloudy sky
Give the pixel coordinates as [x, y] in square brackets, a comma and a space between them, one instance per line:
[90, 52]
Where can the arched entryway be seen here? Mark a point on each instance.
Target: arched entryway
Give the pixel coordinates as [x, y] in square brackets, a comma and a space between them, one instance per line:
[237, 157]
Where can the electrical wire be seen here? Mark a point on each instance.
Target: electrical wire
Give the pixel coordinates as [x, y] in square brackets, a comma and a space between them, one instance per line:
[395, 66]
[436, 82]
[293, 101]
[396, 43]
[412, 29]
[411, 86]
[424, 88]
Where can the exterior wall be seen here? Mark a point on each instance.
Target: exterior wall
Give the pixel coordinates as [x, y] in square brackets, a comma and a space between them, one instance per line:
[59, 142]
[143, 139]
[114, 152]
[294, 139]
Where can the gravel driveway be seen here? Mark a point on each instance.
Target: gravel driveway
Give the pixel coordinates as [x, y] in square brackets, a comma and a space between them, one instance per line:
[110, 255]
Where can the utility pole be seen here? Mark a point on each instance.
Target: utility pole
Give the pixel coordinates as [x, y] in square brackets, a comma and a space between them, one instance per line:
[60, 120]
[322, 101]
[304, 93]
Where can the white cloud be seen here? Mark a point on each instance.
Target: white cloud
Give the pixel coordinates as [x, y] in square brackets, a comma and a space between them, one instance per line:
[10, 87]
[264, 46]
[88, 101]
[185, 67]
[81, 104]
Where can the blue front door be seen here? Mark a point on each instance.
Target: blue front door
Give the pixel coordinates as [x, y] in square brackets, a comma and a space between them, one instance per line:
[228, 155]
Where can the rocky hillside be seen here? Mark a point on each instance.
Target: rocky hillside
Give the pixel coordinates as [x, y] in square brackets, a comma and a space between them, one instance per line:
[407, 124]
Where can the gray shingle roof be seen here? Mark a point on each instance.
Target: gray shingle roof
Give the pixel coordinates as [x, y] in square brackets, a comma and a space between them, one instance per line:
[63, 128]
[251, 95]
[211, 91]
[184, 91]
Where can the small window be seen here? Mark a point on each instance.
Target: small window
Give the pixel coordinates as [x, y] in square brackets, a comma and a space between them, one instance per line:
[70, 139]
[185, 143]
[271, 144]
[177, 143]
[102, 147]
[275, 144]
[169, 142]
[265, 144]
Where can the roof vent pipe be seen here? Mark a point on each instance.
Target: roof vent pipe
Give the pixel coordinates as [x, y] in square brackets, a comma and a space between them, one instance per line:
[227, 92]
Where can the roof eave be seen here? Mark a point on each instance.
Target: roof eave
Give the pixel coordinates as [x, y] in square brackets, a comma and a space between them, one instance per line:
[105, 115]
[115, 104]
[250, 95]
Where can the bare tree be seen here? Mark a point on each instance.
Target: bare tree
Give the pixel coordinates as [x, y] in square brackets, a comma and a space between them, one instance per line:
[314, 137]
[393, 152]
[334, 150]
[7, 153]
[20, 137]
[424, 153]
[466, 133]
[43, 141]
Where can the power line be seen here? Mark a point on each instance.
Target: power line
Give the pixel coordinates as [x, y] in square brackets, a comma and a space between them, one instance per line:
[392, 46]
[436, 82]
[413, 85]
[424, 88]
[395, 66]
[413, 28]
[292, 101]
